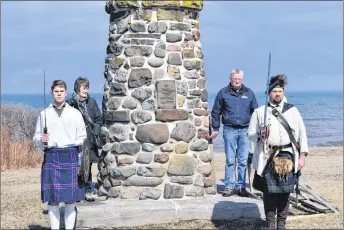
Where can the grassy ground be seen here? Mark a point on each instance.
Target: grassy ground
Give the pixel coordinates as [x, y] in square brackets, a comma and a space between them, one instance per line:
[21, 206]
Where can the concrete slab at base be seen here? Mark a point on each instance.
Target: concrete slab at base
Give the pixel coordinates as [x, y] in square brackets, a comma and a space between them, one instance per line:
[129, 213]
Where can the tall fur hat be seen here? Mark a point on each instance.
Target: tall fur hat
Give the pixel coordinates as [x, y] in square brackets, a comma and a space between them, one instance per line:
[278, 81]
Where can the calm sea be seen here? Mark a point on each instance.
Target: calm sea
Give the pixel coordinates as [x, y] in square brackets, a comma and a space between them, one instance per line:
[322, 113]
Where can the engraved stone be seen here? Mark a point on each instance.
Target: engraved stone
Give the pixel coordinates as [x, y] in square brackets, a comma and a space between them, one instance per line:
[166, 94]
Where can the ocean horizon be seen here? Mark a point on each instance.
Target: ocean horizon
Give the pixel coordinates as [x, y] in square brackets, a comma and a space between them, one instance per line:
[322, 112]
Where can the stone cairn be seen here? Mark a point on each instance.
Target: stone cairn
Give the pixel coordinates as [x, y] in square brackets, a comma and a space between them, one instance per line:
[155, 103]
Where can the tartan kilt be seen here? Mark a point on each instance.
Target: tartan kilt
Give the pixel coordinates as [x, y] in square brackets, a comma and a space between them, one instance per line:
[274, 184]
[59, 176]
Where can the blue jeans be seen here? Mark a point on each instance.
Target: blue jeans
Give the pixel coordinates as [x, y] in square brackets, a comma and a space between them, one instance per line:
[235, 138]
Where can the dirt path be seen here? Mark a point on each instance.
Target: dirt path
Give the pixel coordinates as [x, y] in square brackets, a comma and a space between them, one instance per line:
[21, 205]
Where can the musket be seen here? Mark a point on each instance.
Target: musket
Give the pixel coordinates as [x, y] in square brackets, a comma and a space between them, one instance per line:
[264, 127]
[267, 90]
[45, 129]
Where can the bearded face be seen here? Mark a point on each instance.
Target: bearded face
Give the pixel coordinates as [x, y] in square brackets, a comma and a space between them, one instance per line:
[276, 95]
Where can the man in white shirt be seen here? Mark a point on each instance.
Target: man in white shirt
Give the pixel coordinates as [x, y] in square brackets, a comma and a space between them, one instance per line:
[66, 132]
[277, 156]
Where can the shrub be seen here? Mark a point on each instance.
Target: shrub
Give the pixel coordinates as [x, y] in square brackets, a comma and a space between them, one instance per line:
[18, 124]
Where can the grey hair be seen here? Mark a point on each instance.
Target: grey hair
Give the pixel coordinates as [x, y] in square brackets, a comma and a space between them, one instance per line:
[237, 71]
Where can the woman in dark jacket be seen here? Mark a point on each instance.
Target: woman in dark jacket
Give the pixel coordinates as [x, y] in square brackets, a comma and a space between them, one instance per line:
[93, 121]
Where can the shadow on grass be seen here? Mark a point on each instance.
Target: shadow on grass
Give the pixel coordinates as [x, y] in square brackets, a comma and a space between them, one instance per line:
[239, 224]
[36, 226]
[237, 215]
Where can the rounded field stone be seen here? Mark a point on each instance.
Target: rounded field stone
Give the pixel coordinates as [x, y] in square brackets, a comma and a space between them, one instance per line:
[173, 191]
[182, 165]
[142, 94]
[136, 180]
[148, 147]
[155, 62]
[130, 103]
[157, 27]
[173, 36]
[174, 59]
[138, 26]
[140, 77]
[140, 117]
[114, 103]
[183, 131]
[161, 157]
[181, 147]
[144, 158]
[153, 133]
[199, 145]
[160, 49]
[150, 193]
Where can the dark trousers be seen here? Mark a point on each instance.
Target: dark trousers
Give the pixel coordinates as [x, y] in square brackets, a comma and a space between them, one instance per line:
[89, 181]
[276, 202]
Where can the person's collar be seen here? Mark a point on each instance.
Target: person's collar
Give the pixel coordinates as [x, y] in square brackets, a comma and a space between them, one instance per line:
[233, 88]
[61, 106]
[280, 105]
[52, 105]
[241, 89]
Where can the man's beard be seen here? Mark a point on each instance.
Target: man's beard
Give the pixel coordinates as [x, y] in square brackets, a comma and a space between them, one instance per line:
[277, 100]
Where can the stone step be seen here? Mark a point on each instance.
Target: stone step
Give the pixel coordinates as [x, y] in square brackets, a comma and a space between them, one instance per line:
[129, 213]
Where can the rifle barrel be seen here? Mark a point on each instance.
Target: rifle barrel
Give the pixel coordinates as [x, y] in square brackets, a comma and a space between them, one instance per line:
[267, 90]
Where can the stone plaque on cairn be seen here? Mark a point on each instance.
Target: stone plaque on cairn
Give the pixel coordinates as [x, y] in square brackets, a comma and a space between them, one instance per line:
[166, 94]
[155, 103]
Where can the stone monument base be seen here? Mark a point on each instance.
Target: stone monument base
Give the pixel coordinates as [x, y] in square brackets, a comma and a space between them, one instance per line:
[113, 213]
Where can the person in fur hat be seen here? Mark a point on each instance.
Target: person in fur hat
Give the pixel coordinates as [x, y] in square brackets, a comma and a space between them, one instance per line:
[278, 155]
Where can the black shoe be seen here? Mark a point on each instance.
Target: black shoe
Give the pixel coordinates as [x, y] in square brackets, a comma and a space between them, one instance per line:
[242, 192]
[228, 192]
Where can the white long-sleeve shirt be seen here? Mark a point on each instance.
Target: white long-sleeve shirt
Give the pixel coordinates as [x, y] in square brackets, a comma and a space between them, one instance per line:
[278, 135]
[65, 131]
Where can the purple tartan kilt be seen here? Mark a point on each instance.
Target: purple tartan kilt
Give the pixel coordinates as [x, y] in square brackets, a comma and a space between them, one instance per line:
[59, 176]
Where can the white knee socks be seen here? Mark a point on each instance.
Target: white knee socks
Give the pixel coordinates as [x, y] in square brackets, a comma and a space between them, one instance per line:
[54, 216]
[69, 216]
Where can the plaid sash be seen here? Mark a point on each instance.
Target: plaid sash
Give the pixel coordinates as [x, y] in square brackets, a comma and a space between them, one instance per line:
[59, 176]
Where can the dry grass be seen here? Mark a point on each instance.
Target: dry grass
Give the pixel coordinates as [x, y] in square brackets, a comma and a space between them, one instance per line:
[17, 154]
[17, 129]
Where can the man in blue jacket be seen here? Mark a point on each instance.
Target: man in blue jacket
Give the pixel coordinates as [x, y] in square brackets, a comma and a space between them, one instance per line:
[235, 103]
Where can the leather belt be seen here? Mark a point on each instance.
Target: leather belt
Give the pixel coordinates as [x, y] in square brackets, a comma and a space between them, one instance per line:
[280, 147]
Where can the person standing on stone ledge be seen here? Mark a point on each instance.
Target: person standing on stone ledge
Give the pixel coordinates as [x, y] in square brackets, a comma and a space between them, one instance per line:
[65, 134]
[93, 120]
[235, 103]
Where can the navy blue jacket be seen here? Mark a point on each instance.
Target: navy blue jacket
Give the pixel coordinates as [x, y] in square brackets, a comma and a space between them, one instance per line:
[236, 108]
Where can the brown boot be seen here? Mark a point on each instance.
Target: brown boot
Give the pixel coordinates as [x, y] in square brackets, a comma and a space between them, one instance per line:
[270, 220]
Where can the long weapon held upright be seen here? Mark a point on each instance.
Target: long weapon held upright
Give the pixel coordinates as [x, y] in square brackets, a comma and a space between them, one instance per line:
[264, 129]
[267, 90]
[45, 129]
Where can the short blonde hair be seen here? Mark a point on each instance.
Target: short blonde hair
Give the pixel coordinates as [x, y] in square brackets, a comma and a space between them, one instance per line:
[237, 72]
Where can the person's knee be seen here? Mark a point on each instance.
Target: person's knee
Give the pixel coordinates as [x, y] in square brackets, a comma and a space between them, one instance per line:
[230, 161]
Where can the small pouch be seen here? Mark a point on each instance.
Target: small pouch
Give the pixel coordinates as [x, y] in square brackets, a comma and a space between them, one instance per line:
[280, 177]
[282, 166]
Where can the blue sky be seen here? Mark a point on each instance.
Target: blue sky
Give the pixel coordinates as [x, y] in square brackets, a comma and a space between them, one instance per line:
[69, 39]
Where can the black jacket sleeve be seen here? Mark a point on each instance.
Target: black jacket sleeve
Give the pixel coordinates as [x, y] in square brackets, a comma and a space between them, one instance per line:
[98, 120]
